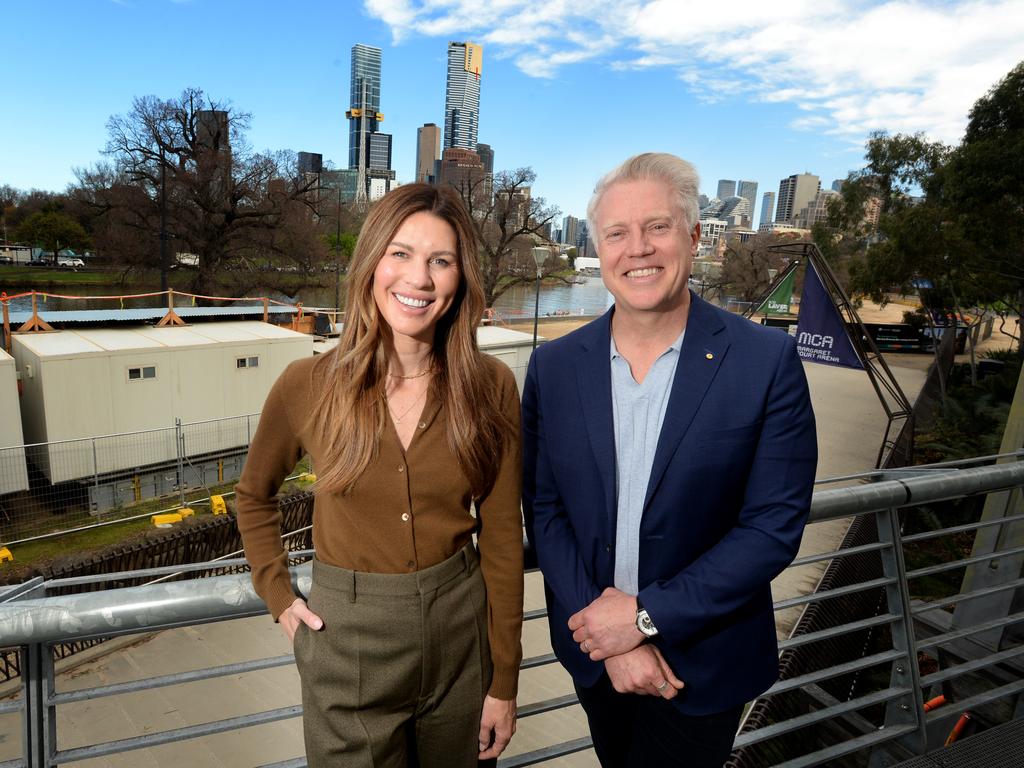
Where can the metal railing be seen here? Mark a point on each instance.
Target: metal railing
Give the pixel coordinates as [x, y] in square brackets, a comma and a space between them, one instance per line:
[866, 709]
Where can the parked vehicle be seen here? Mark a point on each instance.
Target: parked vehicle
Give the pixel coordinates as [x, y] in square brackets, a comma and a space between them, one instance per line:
[72, 262]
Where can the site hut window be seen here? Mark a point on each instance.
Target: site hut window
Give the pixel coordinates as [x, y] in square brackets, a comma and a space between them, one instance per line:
[140, 372]
[247, 362]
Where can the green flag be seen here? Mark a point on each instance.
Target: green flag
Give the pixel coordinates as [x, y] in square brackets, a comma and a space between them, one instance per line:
[780, 299]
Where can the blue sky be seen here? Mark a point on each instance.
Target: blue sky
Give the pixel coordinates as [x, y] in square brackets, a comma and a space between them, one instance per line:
[750, 90]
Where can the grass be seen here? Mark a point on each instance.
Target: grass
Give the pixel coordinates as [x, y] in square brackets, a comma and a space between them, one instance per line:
[15, 278]
[32, 556]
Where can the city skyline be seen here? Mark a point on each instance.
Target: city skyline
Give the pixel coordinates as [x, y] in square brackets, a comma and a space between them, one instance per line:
[811, 118]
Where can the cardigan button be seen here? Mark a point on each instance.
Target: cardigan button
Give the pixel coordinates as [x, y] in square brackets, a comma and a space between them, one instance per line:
[423, 425]
[405, 517]
[401, 467]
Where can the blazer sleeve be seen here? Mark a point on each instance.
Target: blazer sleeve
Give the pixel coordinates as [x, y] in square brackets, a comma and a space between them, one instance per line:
[548, 527]
[770, 524]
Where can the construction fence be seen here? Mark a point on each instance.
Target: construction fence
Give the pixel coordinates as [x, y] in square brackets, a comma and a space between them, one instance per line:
[57, 487]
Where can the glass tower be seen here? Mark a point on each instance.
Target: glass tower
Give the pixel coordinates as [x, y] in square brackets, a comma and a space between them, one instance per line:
[462, 95]
[365, 117]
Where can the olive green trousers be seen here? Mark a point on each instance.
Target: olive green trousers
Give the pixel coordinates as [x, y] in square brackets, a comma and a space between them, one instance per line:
[398, 674]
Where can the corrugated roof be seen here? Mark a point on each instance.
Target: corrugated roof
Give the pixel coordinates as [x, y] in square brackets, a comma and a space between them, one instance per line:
[142, 314]
[81, 341]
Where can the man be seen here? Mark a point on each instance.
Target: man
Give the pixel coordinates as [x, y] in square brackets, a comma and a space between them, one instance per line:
[669, 458]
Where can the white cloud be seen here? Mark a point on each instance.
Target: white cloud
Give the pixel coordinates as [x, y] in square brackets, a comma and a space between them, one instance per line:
[897, 65]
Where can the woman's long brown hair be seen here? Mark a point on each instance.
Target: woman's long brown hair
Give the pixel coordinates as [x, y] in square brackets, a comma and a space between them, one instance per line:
[351, 413]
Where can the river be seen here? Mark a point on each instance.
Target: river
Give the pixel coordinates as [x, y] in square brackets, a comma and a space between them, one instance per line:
[588, 297]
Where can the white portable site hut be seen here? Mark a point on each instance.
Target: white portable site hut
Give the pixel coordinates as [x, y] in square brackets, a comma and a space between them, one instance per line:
[511, 347]
[13, 474]
[87, 382]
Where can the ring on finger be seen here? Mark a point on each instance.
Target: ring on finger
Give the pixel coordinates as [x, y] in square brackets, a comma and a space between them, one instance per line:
[662, 687]
[585, 646]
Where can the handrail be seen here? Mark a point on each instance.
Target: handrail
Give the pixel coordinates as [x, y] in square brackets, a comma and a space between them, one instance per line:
[895, 622]
[158, 606]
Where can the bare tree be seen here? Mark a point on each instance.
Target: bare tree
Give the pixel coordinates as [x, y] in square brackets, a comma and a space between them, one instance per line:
[748, 267]
[183, 178]
[509, 221]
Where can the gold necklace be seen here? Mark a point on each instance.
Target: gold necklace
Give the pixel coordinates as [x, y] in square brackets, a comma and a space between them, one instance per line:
[424, 372]
[398, 419]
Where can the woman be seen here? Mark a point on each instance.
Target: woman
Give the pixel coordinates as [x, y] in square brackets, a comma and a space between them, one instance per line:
[408, 650]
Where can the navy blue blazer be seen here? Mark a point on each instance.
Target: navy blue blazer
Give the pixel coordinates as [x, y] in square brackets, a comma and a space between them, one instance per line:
[726, 502]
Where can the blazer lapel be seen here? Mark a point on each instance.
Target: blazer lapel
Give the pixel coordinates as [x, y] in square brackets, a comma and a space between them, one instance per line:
[704, 347]
[593, 374]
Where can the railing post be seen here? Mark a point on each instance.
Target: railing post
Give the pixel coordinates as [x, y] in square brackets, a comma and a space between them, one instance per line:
[40, 720]
[905, 672]
[179, 440]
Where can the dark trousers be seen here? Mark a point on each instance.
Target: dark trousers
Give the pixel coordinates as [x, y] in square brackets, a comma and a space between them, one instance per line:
[633, 731]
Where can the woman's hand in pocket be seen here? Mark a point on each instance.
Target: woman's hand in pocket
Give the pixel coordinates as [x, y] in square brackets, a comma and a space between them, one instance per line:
[298, 613]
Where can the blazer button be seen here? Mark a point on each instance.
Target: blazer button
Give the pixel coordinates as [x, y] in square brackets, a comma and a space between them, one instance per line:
[423, 425]
[401, 467]
[607, 547]
[405, 517]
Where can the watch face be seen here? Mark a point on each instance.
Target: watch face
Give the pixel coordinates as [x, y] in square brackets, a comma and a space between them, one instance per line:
[645, 625]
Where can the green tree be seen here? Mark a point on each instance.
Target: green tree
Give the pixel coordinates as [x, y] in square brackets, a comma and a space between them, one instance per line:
[52, 231]
[965, 234]
[570, 257]
[982, 188]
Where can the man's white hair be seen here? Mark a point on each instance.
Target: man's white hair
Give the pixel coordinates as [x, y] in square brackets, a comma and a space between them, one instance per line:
[680, 175]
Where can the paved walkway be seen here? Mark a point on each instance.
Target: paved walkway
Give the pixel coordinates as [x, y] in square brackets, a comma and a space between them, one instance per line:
[850, 427]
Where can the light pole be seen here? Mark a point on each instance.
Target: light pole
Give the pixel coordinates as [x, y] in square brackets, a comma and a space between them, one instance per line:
[540, 255]
[337, 263]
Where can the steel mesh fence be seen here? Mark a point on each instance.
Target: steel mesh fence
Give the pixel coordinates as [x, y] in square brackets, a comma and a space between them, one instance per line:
[57, 487]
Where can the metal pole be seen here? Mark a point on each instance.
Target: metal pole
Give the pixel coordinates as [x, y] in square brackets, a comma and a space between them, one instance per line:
[536, 309]
[7, 322]
[95, 466]
[905, 672]
[180, 440]
[337, 261]
[164, 262]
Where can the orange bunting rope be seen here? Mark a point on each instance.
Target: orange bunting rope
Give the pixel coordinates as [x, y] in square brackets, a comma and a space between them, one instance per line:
[5, 298]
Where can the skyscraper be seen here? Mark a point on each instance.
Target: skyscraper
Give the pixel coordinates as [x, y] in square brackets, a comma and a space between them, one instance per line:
[486, 157]
[767, 207]
[726, 188]
[369, 150]
[570, 230]
[462, 95]
[794, 194]
[748, 191]
[428, 151]
[461, 168]
[364, 99]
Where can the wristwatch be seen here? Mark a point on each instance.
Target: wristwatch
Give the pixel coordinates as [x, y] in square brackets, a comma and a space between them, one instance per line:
[643, 620]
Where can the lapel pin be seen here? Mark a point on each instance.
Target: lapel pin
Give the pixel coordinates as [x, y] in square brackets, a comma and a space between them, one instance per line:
[709, 356]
